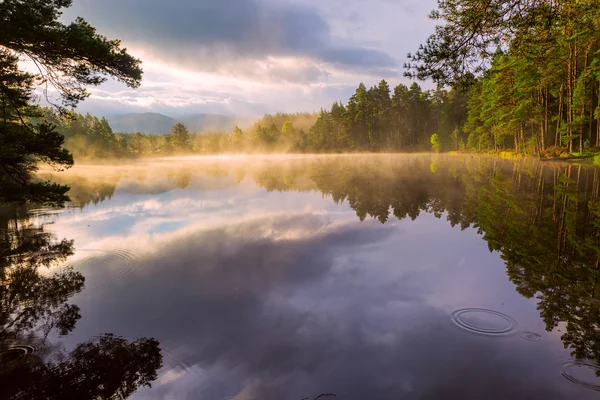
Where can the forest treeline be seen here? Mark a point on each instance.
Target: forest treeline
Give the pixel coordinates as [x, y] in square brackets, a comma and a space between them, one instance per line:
[523, 76]
[374, 119]
[89, 137]
[537, 65]
[512, 75]
[523, 104]
[526, 81]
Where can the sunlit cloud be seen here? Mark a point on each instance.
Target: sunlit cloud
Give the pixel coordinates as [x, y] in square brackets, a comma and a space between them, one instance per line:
[248, 57]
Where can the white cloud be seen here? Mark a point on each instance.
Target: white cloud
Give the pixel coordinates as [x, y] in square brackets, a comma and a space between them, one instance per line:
[248, 57]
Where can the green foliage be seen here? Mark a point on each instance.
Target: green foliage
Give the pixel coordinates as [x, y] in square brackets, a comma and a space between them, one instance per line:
[105, 368]
[541, 86]
[518, 207]
[373, 120]
[69, 58]
[180, 138]
[456, 140]
[469, 29]
[35, 307]
[377, 120]
[23, 146]
[435, 142]
[33, 301]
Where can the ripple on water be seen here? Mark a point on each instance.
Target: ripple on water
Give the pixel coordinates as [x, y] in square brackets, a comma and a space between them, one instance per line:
[15, 351]
[583, 374]
[532, 337]
[483, 321]
[103, 267]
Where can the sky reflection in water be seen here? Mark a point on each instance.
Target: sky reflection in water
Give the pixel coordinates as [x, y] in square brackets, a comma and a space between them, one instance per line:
[260, 281]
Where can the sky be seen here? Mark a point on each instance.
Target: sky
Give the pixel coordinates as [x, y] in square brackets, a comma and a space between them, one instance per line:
[249, 57]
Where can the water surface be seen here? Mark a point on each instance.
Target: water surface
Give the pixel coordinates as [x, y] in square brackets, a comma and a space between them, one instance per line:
[368, 277]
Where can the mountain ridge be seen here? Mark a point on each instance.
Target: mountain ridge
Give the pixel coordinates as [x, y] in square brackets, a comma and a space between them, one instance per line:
[161, 124]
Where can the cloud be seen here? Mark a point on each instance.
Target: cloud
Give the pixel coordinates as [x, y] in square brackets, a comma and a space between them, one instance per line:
[176, 95]
[249, 57]
[243, 314]
[252, 296]
[231, 35]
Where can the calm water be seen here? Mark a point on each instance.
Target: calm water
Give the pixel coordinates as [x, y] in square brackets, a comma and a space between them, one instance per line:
[375, 277]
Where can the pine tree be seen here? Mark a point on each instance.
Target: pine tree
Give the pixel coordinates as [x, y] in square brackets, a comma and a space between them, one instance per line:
[180, 138]
[69, 57]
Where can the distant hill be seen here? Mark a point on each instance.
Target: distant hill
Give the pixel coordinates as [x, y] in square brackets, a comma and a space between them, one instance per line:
[161, 124]
[207, 122]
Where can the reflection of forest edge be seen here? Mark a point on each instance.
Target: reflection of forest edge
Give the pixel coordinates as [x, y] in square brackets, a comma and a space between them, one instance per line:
[35, 306]
[542, 218]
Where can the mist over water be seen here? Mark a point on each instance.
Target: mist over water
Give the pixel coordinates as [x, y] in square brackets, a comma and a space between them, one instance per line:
[376, 276]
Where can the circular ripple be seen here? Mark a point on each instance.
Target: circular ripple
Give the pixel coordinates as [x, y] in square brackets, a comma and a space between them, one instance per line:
[12, 354]
[103, 267]
[483, 321]
[532, 337]
[15, 352]
[582, 374]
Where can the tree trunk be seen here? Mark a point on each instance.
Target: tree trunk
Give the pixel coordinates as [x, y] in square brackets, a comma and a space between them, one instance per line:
[545, 141]
[522, 137]
[591, 126]
[569, 97]
[598, 117]
[559, 119]
[581, 138]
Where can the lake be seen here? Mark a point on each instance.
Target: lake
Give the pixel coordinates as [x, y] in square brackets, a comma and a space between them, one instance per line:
[286, 277]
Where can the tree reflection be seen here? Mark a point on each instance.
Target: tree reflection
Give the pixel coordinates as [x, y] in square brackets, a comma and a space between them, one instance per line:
[31, 300]
[544, 220]
[108, 367]
[34, 297]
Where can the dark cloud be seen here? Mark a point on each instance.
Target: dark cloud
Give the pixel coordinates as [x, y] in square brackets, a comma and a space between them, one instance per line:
[240, 311]
[206, 34]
